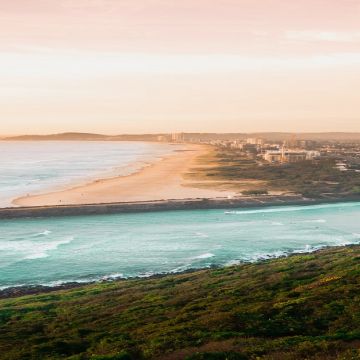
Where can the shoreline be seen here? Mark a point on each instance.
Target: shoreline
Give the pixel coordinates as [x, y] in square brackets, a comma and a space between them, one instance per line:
[157, 180]
[166, 205]
[37, 289]
[89, 172]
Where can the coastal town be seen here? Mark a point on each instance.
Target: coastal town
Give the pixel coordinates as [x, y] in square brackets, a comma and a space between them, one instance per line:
[290, 149]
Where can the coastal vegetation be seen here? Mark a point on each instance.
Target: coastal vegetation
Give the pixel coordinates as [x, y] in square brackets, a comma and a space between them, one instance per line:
[235, 170]
[305, 306]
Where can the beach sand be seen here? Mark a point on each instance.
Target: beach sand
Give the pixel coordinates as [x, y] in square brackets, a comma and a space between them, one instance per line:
[163, 179]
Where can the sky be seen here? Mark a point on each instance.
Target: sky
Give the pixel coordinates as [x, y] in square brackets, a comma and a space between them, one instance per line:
[138, 66]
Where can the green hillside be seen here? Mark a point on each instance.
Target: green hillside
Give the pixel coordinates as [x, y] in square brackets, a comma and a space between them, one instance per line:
[302, 307]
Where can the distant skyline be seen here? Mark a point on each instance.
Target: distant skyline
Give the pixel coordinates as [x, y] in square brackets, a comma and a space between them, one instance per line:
[147, 66]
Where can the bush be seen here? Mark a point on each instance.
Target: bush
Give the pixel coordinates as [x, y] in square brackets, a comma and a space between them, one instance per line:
[217, 356]
[120, 356]
[255, 192]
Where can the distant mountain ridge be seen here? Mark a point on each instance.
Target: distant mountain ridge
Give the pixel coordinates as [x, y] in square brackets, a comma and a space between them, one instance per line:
[77, 136]
[274, 136]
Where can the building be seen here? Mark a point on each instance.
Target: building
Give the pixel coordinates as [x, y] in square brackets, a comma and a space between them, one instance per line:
[306, 144]
[312, 154]
[293, 156]
[177, 137]
[163, 138]
[273, 156]
[342, 166]
[255, 141]
[289, 156]
[236, 144]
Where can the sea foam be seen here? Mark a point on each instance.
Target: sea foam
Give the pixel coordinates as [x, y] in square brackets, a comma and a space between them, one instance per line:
[204, 256]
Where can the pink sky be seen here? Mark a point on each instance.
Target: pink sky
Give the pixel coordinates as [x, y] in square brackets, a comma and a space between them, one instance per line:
[118, 66]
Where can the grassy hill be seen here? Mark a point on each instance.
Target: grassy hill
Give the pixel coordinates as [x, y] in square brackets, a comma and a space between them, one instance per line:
[302, 307]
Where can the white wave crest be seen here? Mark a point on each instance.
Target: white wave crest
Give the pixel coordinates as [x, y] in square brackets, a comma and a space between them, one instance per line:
[42, 250]
[204, 256]
[292, 208]
[30, 250]
[201, 235]
[113, 276]
[43, 233]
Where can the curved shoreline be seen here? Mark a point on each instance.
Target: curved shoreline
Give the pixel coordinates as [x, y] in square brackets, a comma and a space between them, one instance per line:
[163, 179]
[39, 168]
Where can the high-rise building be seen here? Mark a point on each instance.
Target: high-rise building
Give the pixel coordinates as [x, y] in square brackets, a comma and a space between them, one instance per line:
[177, 137]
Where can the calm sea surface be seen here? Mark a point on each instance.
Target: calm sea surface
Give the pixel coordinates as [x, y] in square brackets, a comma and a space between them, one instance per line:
[57, 250]
[34, 167]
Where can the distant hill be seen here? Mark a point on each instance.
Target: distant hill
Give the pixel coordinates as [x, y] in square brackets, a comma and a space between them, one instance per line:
[62, 136]
[74, 136]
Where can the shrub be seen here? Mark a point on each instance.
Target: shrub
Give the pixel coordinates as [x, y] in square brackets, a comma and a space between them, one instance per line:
[217, 356]
[255, 192]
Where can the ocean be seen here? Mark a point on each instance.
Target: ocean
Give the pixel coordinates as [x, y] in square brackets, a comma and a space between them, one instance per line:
[31, 167]
[52, 251]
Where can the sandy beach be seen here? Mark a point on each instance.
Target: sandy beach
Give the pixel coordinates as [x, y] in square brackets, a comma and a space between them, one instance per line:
[163, 179]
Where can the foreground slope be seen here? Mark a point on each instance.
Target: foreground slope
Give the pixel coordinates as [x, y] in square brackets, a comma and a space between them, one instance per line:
[302, 307]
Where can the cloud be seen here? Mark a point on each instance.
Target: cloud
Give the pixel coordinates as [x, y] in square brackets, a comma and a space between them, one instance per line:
[324, 36]
[94, 65]
[84, 4]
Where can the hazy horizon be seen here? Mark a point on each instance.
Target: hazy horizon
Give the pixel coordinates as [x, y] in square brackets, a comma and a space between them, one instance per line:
[298, 134]
[240, 130]
[150, 66]
[181, 132]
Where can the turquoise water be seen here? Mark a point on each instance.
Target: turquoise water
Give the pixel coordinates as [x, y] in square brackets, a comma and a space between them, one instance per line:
[57, 250]
[28, 167]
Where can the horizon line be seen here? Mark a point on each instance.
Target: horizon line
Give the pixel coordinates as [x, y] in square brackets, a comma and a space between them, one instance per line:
[177, 132]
